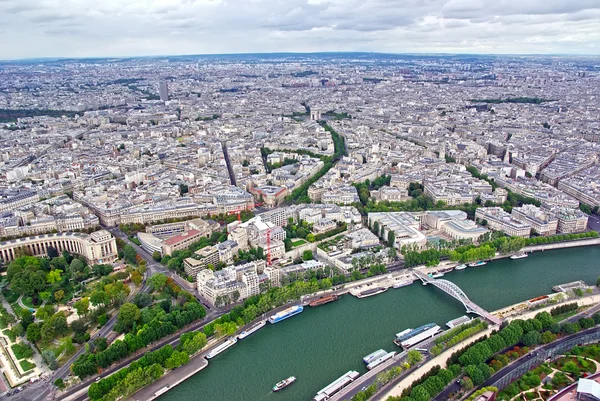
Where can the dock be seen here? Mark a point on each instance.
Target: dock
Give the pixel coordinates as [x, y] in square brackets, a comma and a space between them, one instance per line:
[170, 380]
[569, 286]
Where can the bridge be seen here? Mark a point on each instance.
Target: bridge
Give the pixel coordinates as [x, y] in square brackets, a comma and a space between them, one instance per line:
[454, 291]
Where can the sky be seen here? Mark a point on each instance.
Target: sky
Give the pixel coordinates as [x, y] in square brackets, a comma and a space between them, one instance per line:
[122, 28]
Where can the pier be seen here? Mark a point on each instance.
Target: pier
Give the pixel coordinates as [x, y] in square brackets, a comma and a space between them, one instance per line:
[454, 291]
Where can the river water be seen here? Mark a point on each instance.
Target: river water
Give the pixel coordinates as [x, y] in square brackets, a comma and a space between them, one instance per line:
[320, 344]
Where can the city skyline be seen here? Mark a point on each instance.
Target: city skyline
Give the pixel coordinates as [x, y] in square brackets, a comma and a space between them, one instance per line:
[35, 29]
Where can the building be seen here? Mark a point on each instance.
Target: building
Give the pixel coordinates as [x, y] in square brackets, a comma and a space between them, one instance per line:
[181, 241]
[270, 195]
[163, 88]
[570, 220]
[150, 243]
[232, 284]
[487, 396]
[406, 228]
[200, 260]
[499, 220]
[344, 195]
[14, 199]
[541, 221]
[97, 247]
[463, 229]
[362, 238]
[323, 225]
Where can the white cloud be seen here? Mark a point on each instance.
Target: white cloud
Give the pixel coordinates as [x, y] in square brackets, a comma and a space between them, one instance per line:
[47, 28]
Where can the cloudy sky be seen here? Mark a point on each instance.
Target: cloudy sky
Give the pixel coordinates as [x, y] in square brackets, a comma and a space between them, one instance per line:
[97, 28]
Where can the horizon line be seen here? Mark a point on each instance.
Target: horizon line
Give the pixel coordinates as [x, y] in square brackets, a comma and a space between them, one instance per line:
[438, 54]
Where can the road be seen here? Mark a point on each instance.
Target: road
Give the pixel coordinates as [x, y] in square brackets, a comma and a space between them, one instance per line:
[594, 222]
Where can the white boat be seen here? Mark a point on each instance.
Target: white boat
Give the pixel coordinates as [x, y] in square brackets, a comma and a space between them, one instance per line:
[401, 284]
[381, 359]
[436, 275]
[284, 383]
[519, 256]
[460, 267]
[477, 264]
[374, 355]
[252, 330]
[229, 343]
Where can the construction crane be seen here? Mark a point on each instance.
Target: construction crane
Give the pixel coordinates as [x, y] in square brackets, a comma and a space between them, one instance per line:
[269, 247]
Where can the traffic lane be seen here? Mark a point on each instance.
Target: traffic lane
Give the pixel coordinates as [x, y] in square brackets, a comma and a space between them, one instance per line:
[594, 223]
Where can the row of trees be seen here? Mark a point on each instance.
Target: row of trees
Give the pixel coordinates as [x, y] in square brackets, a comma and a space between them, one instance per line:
[147, 369]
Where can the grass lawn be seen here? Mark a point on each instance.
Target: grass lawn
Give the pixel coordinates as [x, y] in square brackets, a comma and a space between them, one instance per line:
[9, 334]
[22, 351]
[26, 365]
[563, 316]
[298, 242]
[16, 308]
[28, 302]
[10, 296]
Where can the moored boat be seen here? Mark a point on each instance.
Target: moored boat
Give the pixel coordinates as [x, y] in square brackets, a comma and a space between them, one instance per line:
[324, 300]
[284, 314]
[252, 330]
[401, 284]
[460, 267]
[519, 256]
[229, 343]
[371, 292]
[477, 264]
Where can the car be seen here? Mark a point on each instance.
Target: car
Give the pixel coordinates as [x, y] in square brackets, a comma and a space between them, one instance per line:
[98, 378]
[364, 388]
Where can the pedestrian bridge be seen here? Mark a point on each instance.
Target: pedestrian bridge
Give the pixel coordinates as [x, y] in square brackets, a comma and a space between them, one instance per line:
[454, 291]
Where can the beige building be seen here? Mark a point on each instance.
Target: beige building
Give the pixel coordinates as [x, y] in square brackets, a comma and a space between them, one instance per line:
[542, 221]
[497, 219]
[97, 247]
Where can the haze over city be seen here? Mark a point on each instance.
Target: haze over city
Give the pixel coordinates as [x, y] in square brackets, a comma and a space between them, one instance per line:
[123, 28]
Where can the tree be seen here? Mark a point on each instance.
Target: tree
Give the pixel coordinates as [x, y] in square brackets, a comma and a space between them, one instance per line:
[156, 256]
[158, 281]
[82, 306]
[49, 358]
[391, 238]
[128, 314]
[142, 299]
[99, 298]
[414, 357]
[598, 282]
[195, 343]
[129, 254]
[136, 277]
[310, 237]
[33, 332]
[59, 295]
[307, 255]
[53, 276]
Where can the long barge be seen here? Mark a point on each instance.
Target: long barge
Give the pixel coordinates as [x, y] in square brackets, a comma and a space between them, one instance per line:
[410, 337]
[327, 392]
[229, 343]
[252, 330]
[284, 314]
[381, 359]
[374, 355]
[324, 300]
[371, 292]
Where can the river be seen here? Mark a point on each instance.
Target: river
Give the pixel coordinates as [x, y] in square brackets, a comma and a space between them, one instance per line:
[320, 344]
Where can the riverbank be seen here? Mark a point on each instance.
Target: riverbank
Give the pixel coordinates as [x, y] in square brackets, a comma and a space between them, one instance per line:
[443, 357]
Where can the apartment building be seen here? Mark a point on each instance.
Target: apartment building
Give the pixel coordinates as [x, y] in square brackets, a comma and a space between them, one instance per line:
[541, 221]
[499, 220]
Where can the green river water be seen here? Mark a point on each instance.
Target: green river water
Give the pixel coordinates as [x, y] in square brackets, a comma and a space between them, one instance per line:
[320, 344]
